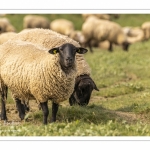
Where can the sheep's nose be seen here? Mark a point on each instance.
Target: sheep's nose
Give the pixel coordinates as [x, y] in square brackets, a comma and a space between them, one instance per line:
[69, 60]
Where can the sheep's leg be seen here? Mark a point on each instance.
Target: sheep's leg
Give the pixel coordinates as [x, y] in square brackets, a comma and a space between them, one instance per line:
[45, 110]
[54, 111]
[110, 47]
[21, 108]
[3, 105]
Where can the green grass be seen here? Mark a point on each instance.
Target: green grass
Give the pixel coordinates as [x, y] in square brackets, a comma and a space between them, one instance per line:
[120, 108]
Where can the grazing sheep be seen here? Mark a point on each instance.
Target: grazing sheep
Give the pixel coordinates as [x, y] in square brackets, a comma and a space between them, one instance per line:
[35, 21]
[46, 40]
[62, 26]
[31, 71]
[146, 28]
[134, 34]
[6, 36]
[101, 30]
[100, 16]
[6, 26]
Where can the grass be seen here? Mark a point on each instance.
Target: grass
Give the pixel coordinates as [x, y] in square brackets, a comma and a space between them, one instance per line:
[120, 108]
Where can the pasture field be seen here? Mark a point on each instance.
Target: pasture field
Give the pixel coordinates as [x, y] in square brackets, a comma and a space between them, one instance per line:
[120, 108]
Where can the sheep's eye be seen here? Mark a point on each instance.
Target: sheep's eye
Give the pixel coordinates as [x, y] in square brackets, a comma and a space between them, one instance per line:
[55, 51]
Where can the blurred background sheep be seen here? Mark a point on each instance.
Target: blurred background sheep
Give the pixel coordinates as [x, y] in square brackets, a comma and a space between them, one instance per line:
[62, 26]
[146, 28]
[6, 26]
[35, 21]
[101, 30]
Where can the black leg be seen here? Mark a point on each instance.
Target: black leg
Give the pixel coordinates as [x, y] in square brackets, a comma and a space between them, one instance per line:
[21, 108]
[3, 101]
[110, 47]
[45, 110]
[54, 111]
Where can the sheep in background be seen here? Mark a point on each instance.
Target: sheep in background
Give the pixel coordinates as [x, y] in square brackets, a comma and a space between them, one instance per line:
[134, 34]
[77, 35]
[146, 28]
[35, 21]
[62, 26]
[6, 26]
[100, 16]
[34, 72]
[4, 37]
[83, 70]
[101, 30]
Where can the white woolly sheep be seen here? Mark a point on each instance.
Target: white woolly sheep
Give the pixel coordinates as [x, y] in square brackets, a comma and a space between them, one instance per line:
[100, 16]
[146, 28]
[31, 72]
[62, 26]
[6, 36]
[100, 30]
[6, 26]
[134, 34]
[35, 21]
[46, 40]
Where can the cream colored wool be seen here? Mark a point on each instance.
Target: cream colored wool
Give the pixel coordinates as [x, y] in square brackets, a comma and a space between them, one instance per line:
[6, 36]
[100, 30]
[30, 72]
[62, 26]
[100, 16]
[146, 28]
[49, 39]
[35, 21]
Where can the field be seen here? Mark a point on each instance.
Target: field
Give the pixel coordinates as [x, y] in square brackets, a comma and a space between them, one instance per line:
[120, 108]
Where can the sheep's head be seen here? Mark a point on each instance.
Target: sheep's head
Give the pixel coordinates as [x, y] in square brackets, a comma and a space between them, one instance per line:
[67, 54]
[125, 46]
[84, 86]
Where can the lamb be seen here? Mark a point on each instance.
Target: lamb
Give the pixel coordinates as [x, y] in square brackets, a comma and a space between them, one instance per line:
[4, 37]
[46, 40]
[62, 26]
[35, 21]
[146, 28]
[35, 72]
[100, 30]
[6, 26]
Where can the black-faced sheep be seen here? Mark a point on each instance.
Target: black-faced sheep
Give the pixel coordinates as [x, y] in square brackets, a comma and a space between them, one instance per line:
[35, 72]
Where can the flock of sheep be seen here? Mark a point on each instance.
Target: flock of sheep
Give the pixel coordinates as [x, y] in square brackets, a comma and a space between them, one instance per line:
[45, 60]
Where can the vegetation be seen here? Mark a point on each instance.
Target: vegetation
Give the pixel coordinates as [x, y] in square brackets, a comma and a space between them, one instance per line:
[120, 108]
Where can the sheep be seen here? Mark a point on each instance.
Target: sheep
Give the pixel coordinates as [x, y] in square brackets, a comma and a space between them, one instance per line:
[100, 30]
[134, 34]
[62, 26]
[83, 69]
[77, 36]
[6, 26]
[6, 36]
[100, 16]
[35, 21]
[31, 71]
[146, 28]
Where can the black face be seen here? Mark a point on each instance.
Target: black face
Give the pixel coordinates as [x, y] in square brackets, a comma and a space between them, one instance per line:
[83, 91]
[67, 54]
[125, 46]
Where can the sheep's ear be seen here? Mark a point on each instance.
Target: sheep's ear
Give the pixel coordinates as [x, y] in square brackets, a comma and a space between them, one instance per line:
[81, 50]
[94, 85]
[54, 50]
